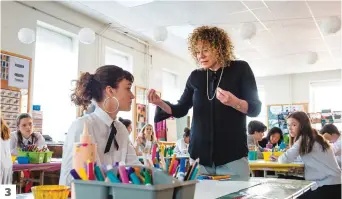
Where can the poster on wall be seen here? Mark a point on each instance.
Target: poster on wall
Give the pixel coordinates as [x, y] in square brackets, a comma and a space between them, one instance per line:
[278, 113]
[5, 59]
[141, 116]
[18, 72]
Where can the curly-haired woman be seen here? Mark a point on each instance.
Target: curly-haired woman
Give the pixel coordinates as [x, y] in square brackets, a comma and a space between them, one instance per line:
[222, 93]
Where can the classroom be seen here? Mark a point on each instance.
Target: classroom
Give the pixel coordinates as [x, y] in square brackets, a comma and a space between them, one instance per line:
[171, 99]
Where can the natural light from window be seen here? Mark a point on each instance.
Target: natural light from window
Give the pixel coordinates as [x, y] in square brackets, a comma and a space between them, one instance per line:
[55, 67]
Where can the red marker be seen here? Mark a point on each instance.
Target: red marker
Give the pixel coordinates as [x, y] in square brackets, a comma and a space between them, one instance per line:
[90, 170]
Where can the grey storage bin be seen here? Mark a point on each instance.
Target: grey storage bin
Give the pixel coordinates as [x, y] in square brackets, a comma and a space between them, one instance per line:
[164, 187]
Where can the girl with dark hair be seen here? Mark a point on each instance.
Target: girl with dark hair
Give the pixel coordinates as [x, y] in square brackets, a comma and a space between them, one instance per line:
[5, 155]
[110, 87]
[330, 132]
[319, 162]
[274, 137]
[24, 135]
[182, 144]
[127, 123]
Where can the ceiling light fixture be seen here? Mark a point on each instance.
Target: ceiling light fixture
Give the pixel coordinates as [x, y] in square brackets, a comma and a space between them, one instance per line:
[331, 25]
[160, 34]
[247, 31]
[86, 36]
[312, 57]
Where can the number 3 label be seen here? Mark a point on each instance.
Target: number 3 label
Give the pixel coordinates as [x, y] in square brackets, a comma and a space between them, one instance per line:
[7, 192]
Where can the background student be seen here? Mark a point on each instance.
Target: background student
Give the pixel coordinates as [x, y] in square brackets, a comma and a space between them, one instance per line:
[319, 161]
[330, 132]
[5, 155]
[182, 144]
[274, 137]
[256, 131]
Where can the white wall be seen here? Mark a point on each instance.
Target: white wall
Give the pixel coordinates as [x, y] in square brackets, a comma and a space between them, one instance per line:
[293, 88]
[15, 16]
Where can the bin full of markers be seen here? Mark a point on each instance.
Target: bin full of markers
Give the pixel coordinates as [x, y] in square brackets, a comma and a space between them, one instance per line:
[130, 181]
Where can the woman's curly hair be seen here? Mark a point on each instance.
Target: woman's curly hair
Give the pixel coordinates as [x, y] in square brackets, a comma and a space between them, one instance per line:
[217, 38]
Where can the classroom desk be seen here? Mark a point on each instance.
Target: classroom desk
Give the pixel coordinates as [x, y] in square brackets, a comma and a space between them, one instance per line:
[54, 165]
[256, 187]
[262, 165]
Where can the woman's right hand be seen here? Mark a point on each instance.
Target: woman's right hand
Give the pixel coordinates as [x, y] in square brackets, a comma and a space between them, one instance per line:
[153, 98]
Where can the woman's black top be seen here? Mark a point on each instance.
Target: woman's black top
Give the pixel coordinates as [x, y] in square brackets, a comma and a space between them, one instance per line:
[218, 131]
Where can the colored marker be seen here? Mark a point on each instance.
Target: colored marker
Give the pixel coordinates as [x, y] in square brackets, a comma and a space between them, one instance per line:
[167, 163]
[134, 178]
[112, 178]
[90, 170]
[182, 165]
[123, 175]
[98, 174]
[172, 164]
[74, 174]
[83, 174]
[194, 174]
[154, 151]
[147, 178]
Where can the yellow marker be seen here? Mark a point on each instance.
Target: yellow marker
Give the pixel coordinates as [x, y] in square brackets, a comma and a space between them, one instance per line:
[83, 174]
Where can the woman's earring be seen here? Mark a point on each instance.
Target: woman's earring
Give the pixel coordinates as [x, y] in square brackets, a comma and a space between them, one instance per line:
[104, 104]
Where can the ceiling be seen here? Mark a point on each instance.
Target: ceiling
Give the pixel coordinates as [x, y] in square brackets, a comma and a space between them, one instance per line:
[286, 30]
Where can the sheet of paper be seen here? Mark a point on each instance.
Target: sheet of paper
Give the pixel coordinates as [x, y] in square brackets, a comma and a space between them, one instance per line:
[212, 189]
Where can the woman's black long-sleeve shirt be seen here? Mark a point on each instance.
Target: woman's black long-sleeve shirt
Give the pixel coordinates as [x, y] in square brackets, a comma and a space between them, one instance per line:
[218, 131]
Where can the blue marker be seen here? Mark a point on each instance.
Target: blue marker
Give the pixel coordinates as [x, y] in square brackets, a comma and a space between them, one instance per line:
[112, 178]
[134, 178]
[98, 174]
[75, 175]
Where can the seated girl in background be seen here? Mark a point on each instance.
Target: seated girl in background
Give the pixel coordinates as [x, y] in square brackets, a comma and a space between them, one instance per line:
[138, 145]
[319, 161]
[256, 131]
[127, 123]
[5, 155]
[330, 133]
[148, 138]
[274, 137]
[110, 87]
[24, 135]
[182, 144]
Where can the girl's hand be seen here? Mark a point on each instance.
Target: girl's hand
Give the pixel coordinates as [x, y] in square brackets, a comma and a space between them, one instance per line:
[273, 158]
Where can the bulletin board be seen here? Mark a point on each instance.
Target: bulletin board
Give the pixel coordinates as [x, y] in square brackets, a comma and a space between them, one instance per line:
[277, 114]
[16, 73]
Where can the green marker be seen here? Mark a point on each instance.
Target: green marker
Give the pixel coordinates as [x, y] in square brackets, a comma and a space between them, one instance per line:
[147, 178]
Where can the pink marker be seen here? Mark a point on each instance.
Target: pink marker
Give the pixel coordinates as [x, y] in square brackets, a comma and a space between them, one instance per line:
[123, 175]
[154, 151]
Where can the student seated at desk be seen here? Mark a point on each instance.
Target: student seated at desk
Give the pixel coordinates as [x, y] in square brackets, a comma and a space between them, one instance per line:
[330, 133]
[274, 137]
[127, 123]
[148, 139]
[110, 87]
[24, 135]
[256, 131]
[138, 145]
[5, 155]
[319, 161]
[182, 144]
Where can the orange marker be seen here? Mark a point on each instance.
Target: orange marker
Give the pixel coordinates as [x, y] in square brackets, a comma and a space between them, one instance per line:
[172, 163]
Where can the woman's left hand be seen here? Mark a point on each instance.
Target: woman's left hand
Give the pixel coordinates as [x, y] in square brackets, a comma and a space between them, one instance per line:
[225, 97]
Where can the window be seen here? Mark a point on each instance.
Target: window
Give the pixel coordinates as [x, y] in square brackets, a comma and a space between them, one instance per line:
[114, 57]
[326, 95]
[55, 68]
[170, 87]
